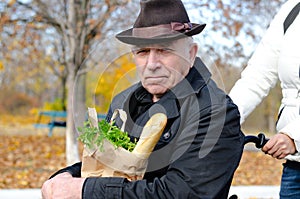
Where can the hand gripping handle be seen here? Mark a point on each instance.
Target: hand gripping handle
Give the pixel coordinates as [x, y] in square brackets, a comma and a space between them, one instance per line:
[260, 140]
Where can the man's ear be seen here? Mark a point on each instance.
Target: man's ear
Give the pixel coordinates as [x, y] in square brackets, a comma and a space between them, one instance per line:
[193, 52]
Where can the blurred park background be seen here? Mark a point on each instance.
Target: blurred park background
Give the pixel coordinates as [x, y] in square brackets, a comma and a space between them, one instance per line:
[62, 56]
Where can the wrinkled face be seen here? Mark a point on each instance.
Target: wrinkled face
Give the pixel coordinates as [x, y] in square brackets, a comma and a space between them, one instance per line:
[162, 66]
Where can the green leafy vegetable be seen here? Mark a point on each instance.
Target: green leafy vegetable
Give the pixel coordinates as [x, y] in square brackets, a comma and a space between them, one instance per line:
[91, 135]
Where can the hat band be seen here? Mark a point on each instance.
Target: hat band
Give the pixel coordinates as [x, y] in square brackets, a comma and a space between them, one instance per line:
[163, 29]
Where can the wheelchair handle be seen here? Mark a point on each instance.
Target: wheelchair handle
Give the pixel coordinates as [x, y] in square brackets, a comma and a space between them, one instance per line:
[260, 140]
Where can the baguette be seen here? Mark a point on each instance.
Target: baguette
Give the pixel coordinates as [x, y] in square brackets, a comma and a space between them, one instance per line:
[150, 134]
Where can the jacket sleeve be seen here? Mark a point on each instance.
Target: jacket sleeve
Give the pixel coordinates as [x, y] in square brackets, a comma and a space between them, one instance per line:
[261, 72]
[204, 156]
[292, 130]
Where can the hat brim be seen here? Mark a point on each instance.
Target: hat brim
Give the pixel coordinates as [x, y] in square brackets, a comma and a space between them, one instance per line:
[127, 36]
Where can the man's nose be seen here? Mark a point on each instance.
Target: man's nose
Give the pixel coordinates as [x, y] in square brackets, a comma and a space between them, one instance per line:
[153, 60]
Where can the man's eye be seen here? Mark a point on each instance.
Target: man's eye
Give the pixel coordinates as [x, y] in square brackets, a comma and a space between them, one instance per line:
[146, 51]
[142, 51]
[164, 50]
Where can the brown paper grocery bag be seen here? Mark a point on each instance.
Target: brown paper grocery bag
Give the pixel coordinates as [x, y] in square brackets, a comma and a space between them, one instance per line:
[118, 162]
[112, 162]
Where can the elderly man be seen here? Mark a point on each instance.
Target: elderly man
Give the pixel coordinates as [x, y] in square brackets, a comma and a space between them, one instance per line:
[202, 143]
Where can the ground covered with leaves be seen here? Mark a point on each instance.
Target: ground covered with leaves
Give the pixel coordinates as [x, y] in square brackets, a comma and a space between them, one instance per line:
[28, 160]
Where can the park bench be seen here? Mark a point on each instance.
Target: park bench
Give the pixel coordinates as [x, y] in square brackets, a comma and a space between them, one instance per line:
[57, 119]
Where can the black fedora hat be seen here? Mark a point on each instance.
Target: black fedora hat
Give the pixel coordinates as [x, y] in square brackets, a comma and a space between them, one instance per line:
[160, 21]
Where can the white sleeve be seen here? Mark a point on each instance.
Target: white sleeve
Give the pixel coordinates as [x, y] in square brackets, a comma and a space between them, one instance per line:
[261, 72]
[293, 131]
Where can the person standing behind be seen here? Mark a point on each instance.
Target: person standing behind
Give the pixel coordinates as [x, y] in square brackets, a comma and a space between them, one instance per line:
[277, 57]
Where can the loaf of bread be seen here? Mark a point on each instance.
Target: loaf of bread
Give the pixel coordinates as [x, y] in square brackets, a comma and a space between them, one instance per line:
[150, 134]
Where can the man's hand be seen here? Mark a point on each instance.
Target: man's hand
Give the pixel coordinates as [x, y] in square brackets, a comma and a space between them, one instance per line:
[63, 186]
[279, 146]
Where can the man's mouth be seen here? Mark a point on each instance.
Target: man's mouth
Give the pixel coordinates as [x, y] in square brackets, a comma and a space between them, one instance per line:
[155, 80]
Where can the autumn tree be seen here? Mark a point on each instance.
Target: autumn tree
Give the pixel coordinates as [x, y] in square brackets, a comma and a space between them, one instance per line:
[119, 75]
[74, 26]
[26, 68]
